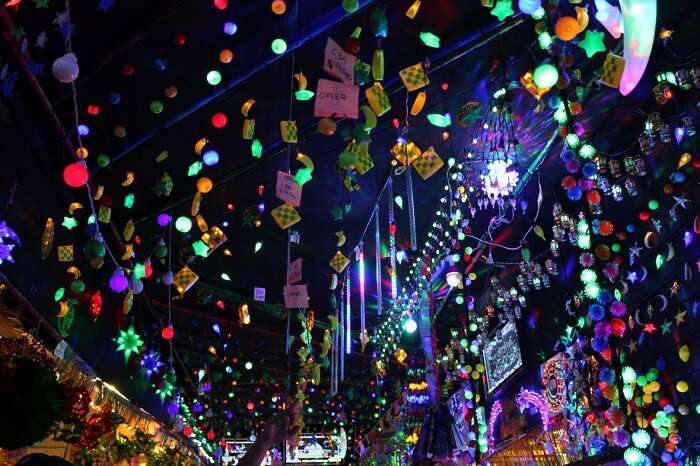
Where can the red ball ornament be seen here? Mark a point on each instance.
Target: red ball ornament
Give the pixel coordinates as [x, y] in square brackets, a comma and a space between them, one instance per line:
[93, 109]
[617, 326]
[352, 45]
[219, 120]
[180, 39]
[75, 174]
[221, 4]
[167, 333]
[128, 70]
[210, 435]
[643, 215]
[187, 431]
[250, 405]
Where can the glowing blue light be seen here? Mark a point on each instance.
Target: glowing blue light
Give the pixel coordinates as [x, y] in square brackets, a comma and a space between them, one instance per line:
[230, 28]
[83, 130]
[210, 157]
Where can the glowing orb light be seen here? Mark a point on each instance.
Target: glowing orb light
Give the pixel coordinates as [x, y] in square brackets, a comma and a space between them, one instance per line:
[410, 326]
[500, 179]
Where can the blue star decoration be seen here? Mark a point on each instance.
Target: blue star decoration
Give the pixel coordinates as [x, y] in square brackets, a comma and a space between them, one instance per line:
[105, 5]
[36, 68]
[592, 43]
[8, 85]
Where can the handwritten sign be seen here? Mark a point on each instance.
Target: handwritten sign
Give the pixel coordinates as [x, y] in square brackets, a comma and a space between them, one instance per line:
[296, 296]
[294, 272]
[336, 99]
[287, 189]
[337, 62]
[258, 294]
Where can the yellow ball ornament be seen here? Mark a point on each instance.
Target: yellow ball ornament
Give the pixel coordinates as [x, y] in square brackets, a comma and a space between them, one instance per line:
[204, 185]
[682, 386]
[684, 353]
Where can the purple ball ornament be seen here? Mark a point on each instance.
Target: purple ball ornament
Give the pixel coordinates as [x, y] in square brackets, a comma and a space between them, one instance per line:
[618, 309]
[572, 166]
[118, 282]
[163, 219]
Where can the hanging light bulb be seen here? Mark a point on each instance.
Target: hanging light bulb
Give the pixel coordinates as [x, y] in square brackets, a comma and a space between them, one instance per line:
[410, 326]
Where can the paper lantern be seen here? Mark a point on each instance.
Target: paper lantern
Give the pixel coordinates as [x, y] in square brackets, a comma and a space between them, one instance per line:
[327, 126]
[566, 28]
[204, 185]
[170, 92]
[167, 333]
[75, 174]
[66, 68]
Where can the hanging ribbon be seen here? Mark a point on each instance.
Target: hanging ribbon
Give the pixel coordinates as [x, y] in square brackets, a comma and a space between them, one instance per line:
[378, 259]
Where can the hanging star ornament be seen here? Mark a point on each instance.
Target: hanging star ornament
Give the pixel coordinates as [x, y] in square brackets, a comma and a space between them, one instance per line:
[129, 342]
[634, 252]
[69, 223]
[41, 3]
[674, 288]
[666, 327]
[650, 328]
[592, 43]
[632, 346]
[680, 317]
[503, 9]
[165, 391]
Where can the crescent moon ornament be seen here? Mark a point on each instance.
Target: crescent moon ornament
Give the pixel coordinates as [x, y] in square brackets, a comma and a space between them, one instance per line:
[625, 287]
[64, 309]
[671, 252]
[664, 301]
[128, 252]
[99, 192]
[199, 145]
[128, 179]
[636, 317]
[74, 206]
[582, 18]
[639, 24]
[644, 274]
[73, 270]
[647, 239]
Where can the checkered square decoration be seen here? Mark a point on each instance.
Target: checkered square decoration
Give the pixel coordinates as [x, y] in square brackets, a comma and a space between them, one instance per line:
[611, 73]
[399, 151]
[248, 128]
[428, 163]
[377, 99]
[285, 216]
[104, 214]
[288, 128]
[184, 279]
[414, 77]
[528, 82]
[214, 238]
[339, 262]
[65, 253]
[364, 160]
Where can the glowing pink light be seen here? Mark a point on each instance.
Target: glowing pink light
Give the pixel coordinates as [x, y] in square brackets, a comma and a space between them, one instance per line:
[496, 410]
[528, 398]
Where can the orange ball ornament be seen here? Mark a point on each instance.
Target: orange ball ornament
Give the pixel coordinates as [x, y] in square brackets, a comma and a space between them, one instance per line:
[226, 56]
[602, 252]
[170, 92]
[278, 7]
[204, 185]
[327, 126]
[566, 28]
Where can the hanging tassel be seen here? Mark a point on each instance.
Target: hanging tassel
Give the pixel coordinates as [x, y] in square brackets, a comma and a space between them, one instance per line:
[392, 240]
[378, 260]
[411, 208]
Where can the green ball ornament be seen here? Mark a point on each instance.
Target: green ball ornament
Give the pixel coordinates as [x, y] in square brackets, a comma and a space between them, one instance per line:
[102, 160]
[77, 286]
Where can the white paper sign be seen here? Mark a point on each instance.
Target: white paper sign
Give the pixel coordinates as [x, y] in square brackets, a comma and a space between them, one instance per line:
[296, 296]
[287, 189]
[294, 275]
[259, 294]
[337, 62]
[336, 99]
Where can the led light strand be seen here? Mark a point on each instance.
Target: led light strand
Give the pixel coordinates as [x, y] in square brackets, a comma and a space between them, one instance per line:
[348, 316]
[378, 259]
[363, 330]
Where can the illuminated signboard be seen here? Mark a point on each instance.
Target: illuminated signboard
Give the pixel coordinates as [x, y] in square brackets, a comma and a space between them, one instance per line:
[313, 448]
[502, 356]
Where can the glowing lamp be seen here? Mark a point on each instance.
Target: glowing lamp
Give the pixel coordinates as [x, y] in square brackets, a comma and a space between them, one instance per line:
[204, 185]
[279, 46]
[566, 28]
[221, 4]
[219, 120]
[210, 157]
[248, 365]
[65, 68]
[163, 219]
[226, 56]
[75, 174]
[545, 76]
[410, 326]
[230, 28]
[167, 333]
[278, 7]
[454, 278]
[213, 77]
[183, 224]
[118, 282]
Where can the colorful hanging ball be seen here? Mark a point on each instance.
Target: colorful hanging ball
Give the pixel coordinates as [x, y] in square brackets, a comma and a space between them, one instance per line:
[180, 39]
[167, 333]
[220, 4]
[120, 132]
[327, 126]
[170, 92]
[114, 98]
[618, 327]
[684, 353]
[204, 185]
[575, 193]
[219, 120]
[545, 76]
[566, 28]
[160, 64]
[93, 109]
[65, 68]
[226, 56]
[128, 70]
[682, 386]
[156, 106]
[76, 174]
[118, 282]
[350, 6]
[77, 286]
[278, 7]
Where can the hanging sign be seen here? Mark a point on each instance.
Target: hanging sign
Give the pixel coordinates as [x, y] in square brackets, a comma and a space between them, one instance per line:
[337, 62]
[287, 189]
[502, 356]
[259, 294]
[334, 99]
[296, 296]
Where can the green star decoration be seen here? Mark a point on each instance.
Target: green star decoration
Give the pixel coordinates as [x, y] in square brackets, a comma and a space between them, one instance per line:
[69, 223]
[666, 327]
[592, 43]
[165, 391]
[129, 342]
[200, 248]
[503, 9]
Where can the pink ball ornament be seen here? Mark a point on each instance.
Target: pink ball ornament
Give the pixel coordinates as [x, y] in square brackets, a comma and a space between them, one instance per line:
[66, 68]
[75, 174]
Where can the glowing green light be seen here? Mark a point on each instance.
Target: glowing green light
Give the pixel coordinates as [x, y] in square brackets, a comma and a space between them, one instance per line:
[139, 271]
[258, 246]
[129, 342]
[225, 277]
[538, 14]
[303, 176]
[545, 76]
[459, 299]
[410, 326]
[653, 204]
[213, 77]
[430, 39]
[464, 343]
[572, 140]
[303, 94]
[592, 290]
[584, 241]
[279, 46]
[129, 200]
[587, 151]
[440, 120]
[473, 327]
[633, 457]
[545, 40]
[660, 260]
[627, 392]
[200, 248]
[256, 148]
[503, 9]
[59, 294]
[616, 247]
[183, 224]
[560, 116]
[641, 438]
[588, 276]
[248, 365]
[629, 375]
